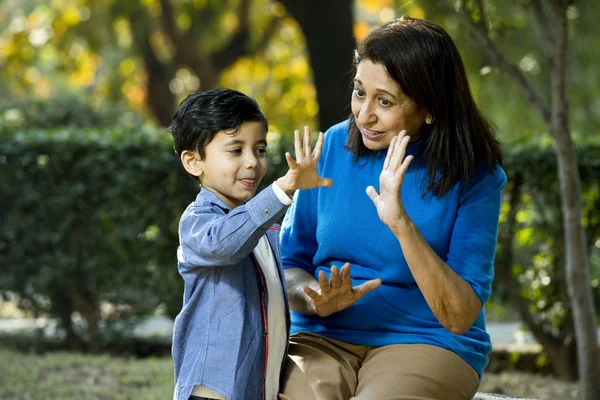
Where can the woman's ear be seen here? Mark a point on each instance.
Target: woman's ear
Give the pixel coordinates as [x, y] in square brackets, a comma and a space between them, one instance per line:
[192, 163]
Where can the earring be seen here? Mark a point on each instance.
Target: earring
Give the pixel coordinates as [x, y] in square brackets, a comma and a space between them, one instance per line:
[429, 120]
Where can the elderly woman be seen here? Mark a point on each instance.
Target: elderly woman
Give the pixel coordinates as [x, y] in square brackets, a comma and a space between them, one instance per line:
[387, 271]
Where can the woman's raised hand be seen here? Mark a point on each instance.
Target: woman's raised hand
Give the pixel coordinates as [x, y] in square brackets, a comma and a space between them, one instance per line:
[389, 201]
[337, 293]
[303, 171]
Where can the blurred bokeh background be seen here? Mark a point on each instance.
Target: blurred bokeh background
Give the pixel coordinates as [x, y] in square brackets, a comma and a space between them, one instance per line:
[91, 191]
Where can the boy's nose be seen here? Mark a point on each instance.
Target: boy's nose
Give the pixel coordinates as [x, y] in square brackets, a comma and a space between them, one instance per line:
[251, 161]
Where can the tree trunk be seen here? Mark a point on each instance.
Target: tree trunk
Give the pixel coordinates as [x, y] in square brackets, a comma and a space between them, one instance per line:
[64, 309]
[327, 27]
[577, 266]
[556, 119]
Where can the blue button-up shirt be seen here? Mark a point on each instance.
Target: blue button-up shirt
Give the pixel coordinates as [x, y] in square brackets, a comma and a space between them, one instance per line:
[218, 338]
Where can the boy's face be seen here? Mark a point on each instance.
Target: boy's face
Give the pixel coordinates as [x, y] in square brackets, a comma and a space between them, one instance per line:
[235, 165]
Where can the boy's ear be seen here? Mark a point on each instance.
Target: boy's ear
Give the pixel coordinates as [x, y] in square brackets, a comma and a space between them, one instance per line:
[192, 163]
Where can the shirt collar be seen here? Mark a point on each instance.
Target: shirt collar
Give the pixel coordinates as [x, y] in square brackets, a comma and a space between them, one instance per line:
[206, 195]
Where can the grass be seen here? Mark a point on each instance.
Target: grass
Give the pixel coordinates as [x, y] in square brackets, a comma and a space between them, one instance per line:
[70, 376]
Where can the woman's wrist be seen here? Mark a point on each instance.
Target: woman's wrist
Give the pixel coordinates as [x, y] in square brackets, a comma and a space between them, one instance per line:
[402, 228]
[296, 279]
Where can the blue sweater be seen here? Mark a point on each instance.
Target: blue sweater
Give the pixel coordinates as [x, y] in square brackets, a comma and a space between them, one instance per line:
[331, 226]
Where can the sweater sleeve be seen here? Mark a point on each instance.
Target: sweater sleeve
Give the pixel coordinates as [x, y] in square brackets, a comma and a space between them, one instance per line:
[209, 238]
[298, 232]
[473, 243]
[299, 228]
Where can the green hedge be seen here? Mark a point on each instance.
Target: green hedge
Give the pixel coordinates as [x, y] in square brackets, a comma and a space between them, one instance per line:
[89, 217]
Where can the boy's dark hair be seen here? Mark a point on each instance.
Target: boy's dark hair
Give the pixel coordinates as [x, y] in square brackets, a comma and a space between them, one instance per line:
[201, 115]
[424, 61]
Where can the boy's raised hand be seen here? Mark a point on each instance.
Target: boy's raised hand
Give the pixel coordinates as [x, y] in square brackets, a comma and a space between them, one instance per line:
[303, 171]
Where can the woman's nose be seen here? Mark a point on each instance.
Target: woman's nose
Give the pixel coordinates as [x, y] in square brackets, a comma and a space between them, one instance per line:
[365, 114]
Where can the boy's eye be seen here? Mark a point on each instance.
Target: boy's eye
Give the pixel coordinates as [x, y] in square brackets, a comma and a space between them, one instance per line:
[262, 150]
[235, 151]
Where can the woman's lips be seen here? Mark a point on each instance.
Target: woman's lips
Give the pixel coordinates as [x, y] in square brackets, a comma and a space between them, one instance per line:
[371, 135]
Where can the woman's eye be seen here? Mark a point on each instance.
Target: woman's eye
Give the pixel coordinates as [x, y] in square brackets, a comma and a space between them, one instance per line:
[359, 92]
[262, 151]
[384, 102]
[235, 151]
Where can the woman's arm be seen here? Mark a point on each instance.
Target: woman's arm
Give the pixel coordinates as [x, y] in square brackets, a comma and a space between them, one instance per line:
[451, 298]
[295, 281]
[455, 291]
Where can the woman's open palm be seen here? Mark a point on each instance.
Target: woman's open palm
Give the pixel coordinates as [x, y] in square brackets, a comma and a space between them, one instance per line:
[338, 293]
[389, 201]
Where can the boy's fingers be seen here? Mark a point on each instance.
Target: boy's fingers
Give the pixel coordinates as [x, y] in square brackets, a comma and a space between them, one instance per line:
[290, 160]
[297, 144]
[306, 141]
[325, 182]
[318, 146]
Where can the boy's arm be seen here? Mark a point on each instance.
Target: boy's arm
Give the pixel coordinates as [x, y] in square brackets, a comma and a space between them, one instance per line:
[209, 238]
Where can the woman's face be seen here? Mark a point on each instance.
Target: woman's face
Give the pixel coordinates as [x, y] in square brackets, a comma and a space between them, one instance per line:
[380, 108]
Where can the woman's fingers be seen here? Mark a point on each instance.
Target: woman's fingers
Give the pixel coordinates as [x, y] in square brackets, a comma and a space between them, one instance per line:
[373, 195]
[324, 283]
[399, 151]
[404, 166]
[390, 153]
[345, 273]
[362, 289]
[335, 280]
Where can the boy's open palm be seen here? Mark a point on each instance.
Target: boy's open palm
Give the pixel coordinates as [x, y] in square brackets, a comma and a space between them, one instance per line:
[303, 171]
[338, 293]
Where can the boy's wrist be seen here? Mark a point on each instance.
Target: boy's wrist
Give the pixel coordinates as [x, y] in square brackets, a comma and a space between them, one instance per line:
[284, 185]
[283, 197]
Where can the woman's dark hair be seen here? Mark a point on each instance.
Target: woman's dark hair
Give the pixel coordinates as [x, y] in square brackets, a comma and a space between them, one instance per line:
[202, 115]
[424, 61]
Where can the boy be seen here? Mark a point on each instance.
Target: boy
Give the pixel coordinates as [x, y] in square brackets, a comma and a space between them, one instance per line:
[231, 335]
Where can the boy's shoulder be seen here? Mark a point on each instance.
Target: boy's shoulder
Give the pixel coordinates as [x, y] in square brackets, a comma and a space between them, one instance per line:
[206, 198]
[205, 202]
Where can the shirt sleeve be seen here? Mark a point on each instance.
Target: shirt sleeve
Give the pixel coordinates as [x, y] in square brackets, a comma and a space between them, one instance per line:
[209, 238]
[281, 195]
[298, 232]
[473, 243]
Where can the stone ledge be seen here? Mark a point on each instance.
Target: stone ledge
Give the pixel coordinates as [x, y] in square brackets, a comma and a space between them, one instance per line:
[491, 396]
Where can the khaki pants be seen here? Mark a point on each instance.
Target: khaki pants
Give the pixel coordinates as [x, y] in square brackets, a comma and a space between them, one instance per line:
[320, 368]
